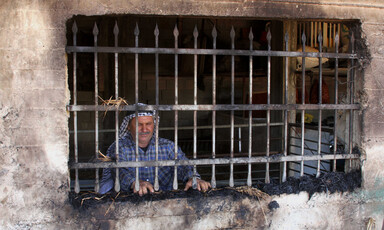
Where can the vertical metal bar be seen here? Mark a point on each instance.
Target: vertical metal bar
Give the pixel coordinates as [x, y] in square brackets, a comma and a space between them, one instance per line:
[117, 178]
[320, 102]
[95, 33]
[239, 141]
[156, 33]
[213, 179]
[249, 178]
[303, 38]
[176, 34]
[286, 39]
[351, 98]
[232, 35]
[195, 35]
[136, 33]
[77, 185]
[336, 99]
[267, 177]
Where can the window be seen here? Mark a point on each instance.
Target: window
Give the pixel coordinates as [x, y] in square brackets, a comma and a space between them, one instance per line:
[239, 96]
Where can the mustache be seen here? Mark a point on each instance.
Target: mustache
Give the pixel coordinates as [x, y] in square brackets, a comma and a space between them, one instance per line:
[144, 133]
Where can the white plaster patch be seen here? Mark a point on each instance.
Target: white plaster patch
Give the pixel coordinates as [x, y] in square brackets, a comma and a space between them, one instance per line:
[297, 212]
[56, 156]
[287, 200]
[373, 167]
[16, 198]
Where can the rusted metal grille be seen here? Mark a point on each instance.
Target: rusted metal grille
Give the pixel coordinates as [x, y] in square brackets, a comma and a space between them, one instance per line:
[283, 157]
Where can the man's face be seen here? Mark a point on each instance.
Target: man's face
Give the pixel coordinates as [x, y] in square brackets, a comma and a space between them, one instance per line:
[145, 129]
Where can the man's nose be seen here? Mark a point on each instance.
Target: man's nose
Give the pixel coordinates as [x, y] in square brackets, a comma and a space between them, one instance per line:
[144, 128]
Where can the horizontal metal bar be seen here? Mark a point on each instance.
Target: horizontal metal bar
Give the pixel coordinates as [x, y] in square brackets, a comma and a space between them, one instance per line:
[142, 50]
[215, 107]
[238, 160]
[184, 127]
[221, 126]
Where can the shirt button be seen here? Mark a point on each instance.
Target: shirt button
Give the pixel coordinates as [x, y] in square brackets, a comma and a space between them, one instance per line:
[146, 167]
[147, 179]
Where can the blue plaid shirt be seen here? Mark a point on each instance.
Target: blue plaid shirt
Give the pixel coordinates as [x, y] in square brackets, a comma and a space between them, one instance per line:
[127, 149]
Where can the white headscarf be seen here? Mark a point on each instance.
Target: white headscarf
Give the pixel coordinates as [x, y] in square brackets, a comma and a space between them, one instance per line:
[123, 131]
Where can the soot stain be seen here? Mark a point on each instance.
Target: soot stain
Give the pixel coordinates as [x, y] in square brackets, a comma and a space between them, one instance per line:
[329, 182]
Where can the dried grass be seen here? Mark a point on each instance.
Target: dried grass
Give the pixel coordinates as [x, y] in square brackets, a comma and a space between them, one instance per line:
[103, 157]
[254, 192]
[113, 202]
[371, 224]
[116, 102]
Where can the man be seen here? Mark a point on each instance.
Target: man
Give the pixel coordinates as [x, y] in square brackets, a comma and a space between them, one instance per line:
[147, 152]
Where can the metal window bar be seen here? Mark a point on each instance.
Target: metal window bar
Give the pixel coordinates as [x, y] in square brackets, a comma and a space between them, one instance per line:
[74, 31]
[213, 178]
[336, 96]
[136, 33]
[95, 55]
[285, 148]
[249, 178]
[188, 127]
[221, 161]
[320, 38]
[117, 181]
[232, 35]
[303, 39]
[351, 97]
[176, 34]
[269, 37]
[217, 107]
[156, 33]
[267, 159]
[195, 35]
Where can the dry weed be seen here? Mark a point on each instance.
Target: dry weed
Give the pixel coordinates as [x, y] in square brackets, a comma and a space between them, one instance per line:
[116, 102]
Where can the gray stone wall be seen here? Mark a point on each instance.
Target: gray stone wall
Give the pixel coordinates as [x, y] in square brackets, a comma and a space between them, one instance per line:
[34, 130]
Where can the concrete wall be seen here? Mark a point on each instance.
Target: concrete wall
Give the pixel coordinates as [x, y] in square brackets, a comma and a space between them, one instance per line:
[34, 130]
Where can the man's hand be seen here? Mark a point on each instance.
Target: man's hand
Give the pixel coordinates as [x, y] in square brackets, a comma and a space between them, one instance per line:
[145, 187]
[202, 185]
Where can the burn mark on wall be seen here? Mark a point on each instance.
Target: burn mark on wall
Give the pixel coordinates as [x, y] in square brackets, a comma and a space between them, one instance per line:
[273, 205]
[233, 204]
[329, 182]
[238, 206]
[242, 214]
[195, 199]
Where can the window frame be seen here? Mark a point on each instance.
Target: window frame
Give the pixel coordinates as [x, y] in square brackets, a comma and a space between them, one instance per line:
[286, 107]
